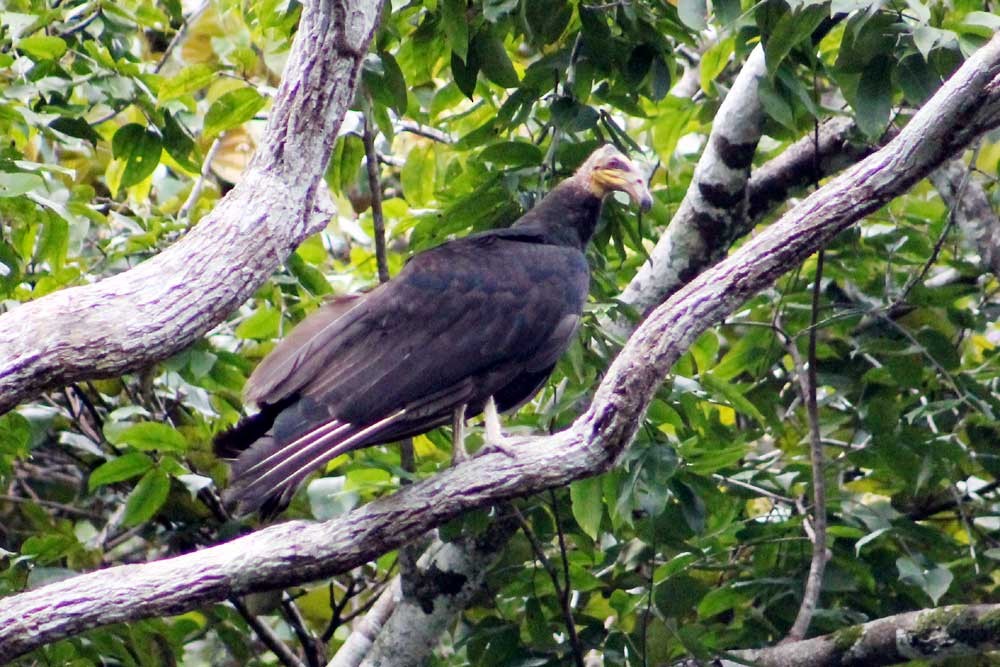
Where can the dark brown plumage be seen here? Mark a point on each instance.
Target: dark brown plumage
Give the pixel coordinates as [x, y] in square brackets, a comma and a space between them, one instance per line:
[483, 316]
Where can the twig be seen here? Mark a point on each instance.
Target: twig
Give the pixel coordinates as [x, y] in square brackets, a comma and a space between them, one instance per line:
[354, 650]
[424, 131]
[807, 380]
[266, 634]
[561, 592]
[179, 35]
[312, 648]
[574, 638]
[66, 509]
[206, 168]
[777, 497]
[375, 185]
[337, 617]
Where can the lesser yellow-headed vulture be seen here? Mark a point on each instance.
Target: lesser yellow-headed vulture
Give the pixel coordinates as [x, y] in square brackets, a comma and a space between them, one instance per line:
[478, 318]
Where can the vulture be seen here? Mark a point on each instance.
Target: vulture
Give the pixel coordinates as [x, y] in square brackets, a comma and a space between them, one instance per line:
[473, 325]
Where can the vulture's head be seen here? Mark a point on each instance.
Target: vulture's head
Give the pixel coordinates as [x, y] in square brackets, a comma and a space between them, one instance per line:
[607, 169]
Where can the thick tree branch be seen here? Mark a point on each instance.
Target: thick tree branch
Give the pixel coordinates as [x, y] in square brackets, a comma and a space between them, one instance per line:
[141, 316]
[931, 634]
[297, 551]
[444, 581]
[716, 206]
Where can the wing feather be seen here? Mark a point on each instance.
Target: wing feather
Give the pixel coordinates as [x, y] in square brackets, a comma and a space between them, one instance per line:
[460, 323]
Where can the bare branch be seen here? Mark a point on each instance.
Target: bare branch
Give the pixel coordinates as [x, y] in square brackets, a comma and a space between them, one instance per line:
[441, 585]
[715, 206]
[807, 382]
[267, 635]
[931, 634]
[133, 319]
[375, 186]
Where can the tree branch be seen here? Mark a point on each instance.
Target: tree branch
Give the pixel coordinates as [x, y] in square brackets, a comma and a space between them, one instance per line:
[442, 584]
[297, 551]
[946, 632]
[131, 320]
[706, 221]
[972, 210]
[808, 382]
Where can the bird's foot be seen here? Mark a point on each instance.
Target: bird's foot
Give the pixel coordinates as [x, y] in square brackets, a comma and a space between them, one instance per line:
[496, 441]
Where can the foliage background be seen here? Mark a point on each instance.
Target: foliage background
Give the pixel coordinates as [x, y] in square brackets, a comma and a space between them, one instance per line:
[696, 542]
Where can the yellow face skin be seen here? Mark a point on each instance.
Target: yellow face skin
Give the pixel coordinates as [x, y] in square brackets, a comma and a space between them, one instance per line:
[612, 171]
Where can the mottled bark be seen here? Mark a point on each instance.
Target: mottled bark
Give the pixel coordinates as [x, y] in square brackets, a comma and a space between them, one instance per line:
[715, 206]
[153, 311]
[294, 552]
[931, 634]
[973, 212]
[447, 577]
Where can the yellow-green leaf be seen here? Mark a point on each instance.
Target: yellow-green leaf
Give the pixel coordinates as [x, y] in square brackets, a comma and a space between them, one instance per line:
[232, 110]
[42, 47]
[146, 498]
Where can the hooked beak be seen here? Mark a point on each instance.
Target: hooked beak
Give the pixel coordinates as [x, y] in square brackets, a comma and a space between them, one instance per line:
[636, 189]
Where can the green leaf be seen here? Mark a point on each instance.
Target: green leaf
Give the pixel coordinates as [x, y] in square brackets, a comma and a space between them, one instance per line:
[140, 148]
[494, 61]
[456, 26]
[232, 110]
[545, 21]
[148, 436]
[119, 469]
[571, 116]
[42, 47]
[659, 79]
[17, 183]
[309, 276]
[417, 176]
[76, 127]
[513, 153]
[262, 325]
[720, 600]
[465, 73]
[494, 10]
[775, 104]
[733, 397]
[693, 13]
[873, 101]
[185, 82]
[588, 504]
[395, 82]
[792, 28]
[178, 143]
[714, 61]
[146, 498]
[917, 79]
[15, 434]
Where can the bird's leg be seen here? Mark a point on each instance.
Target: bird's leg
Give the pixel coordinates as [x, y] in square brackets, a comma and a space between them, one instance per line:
[458, 452]
[495, 439]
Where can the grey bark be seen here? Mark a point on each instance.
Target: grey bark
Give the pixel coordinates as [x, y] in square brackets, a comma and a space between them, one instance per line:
[931, 634]
[128, 321]
[716, 206]
[294, 552]
[447, 577]
[973, 212]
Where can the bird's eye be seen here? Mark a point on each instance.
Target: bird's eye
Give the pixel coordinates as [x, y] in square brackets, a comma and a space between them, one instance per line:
[615, 163]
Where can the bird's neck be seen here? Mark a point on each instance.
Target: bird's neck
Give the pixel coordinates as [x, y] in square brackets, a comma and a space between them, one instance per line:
[568, 214]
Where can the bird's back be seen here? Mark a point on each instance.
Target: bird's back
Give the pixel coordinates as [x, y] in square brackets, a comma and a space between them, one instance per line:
[480, 316]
